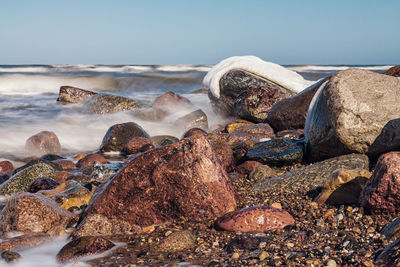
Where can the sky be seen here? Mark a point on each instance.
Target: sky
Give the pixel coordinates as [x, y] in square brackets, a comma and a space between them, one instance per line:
[152, 32]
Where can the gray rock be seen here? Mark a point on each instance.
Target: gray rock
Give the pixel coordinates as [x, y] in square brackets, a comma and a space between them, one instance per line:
[70, 94]
[195, 119]
[103, 104]
[392, 230]
[357, 111]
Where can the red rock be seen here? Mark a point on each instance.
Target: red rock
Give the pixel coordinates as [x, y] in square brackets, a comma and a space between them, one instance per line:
[62, 176]
[393, 71]
[381, 193]
[89, 160]
[65, 164]
[257, 219]
[247, 167]
[194, 131]
[42, 183]
[43, 143]
[69, 94]
[170, 99]
[24, 241]
[181, 181]
[224, 153]
[6, 167]
[138, 144]
[250, 132]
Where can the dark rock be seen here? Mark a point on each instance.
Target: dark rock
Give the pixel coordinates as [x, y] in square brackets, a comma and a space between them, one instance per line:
[313, 175]
[247, 167]
[170, 100]
[69, 94]
[180, 181]
[290, 113]
[240, 150]
[51, 157]
[23, 241]
[6, 167]
[390, 256]
[175, 242]
[393, 71]
[194, 131]
[163, 140]
[103, 104]
[382, 191]
[246, 133]
[195, 119]
[119, 135]
[276, 152]
[392, 230]
[254, 104]
[257, 219]
[33, 213]
[43, 143]
[138, 144]
[83, 246]
[90, 159]
[4, 178]
[42, 183]
[10, 256]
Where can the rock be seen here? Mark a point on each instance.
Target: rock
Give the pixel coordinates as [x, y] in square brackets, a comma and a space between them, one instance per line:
[119, 135]
[256, 132]
[224, 154]
[103, 104]
[292, 134]
[33, 213]
[256, 219]
[22, 180]
[199, 91]
[6, 167]
[65, 164]
[247, 167]
[51, 157]
[182, 181]
[62, 176]
[390, 256]
[55, 166]
[240, 150]
[99, 225]
[195, 119]
[392, 230]
[343, 187]
[43, 143]
[345, 119]
[393, 71]
[175, 242]
[90, 159]
[150, 114]
[230, 127]
[235, 82]
[194, 131]
[313, 175]
[138, 144]
[42, 183]
[162, 140]
[10, 256]
[290, 113]
[381, 194]
[254, 104]
[23, 241]
[277, 152]
[69, 94]
[83, 246]
[171, 100]
[101, 172]
[261, 173]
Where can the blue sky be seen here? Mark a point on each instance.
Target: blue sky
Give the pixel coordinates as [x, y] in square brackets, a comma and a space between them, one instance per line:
[199, 32]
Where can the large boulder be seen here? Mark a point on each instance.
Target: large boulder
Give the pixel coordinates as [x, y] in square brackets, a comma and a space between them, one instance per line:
[103, 104]
[393, 71]
[43, 143]
[69, 94]
[356, 111]
[182, 181]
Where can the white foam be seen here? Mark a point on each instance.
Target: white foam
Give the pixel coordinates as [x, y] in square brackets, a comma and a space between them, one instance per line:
[274, 72]
[174, 68]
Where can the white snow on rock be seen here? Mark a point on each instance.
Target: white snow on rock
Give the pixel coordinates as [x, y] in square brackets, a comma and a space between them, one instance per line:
[271, 71]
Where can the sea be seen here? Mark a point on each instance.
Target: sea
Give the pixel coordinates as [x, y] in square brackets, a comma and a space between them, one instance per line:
[28, 105]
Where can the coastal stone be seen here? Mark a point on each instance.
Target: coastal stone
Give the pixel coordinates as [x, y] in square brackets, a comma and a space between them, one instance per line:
[241, 148]
[247, 167]
[182, 181]
[104, 103]
[256, 132]
[83, 246]
[6, 167]
[119, 135]
[194, 131]
[70, 94]
[51, 157]
[150, 114]
[343, 187]
[33, 213]
[290, 113]
[175, 242]
[393, 71]
[254, 104]
[195, 119]
[138, 144]
[292, 134]
[55, 166]
[261, 173]
[171, 100]
[313, 175]
[256, 219]
[101, 172]
[4, 178]
[10, 256]
[23, 241]
[381, 194]
[224, 154]
[62, 176]
[346, 119]
[235, 82]
[276, 152]
[162, 140]
[392, 230]
[89, 160]
[390, 256]
[100, 225]
[82, 179]
[65, 164]
[42, 183]
[43, 143]
[233, 125]
[22, 180]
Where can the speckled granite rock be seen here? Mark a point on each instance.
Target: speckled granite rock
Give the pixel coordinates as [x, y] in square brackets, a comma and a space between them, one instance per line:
[175, 242]
[103, 104]
[70, 94]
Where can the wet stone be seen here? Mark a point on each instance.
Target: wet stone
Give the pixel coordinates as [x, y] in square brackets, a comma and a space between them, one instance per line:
[43, 143]
[70, 94]
[42, 183]
[5, 167]
[104, 103]
[163, 140]
[10, 256]
[90, 159]
[175, 242]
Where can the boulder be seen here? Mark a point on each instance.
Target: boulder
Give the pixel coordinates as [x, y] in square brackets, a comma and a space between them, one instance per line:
[138, 144]
[258, 219]
[89, 160]
[42, 183]
[22, 180]
[23, 241]
[69, 94]
[104, 104]
[195, 119]
[182, 181]
[290, 113]
[254, 104]
[6, 167]
[381, 194]
[54, 165]
[393, 71]
[171, 100]
[390, 256]
[175, 242]
[356, 111]
[33, 213]
[43, 143]
[119, 135]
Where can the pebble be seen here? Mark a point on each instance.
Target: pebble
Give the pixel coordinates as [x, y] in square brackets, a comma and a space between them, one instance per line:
[235, 256]
[263, 255]
[331, 263]
[10, 256]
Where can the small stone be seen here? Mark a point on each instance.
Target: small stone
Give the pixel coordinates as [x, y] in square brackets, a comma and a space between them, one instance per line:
[331, 263]
[168, 233]
[339, 217]
[232, 126]
[10, 256]
[89, 160]
[175, 242]
[289, 245]
[276, 205]
[263, 255]
[148, 229]
[235, 256]
[6, 167]
[314, 205]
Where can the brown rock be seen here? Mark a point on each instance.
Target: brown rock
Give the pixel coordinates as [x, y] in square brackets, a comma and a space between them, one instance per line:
[393, 71]
[170, 99]
[83, 246]
[261, 173]
[230, 127]
[224, 154]
[43, 143]
[105, 104]
[175, 242]
[62, 176]
[182, 181]
[257, 219]
[162, 140]
[390, 256]
[69, 94]
[195, 119]
[194, 131]
[138, 144]
[250, 132]
[382, 191]
[247, 167]
[89, 160]
[65, 164]
[42, 183]
[32, 213]
[6, 167]
[24, 241]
